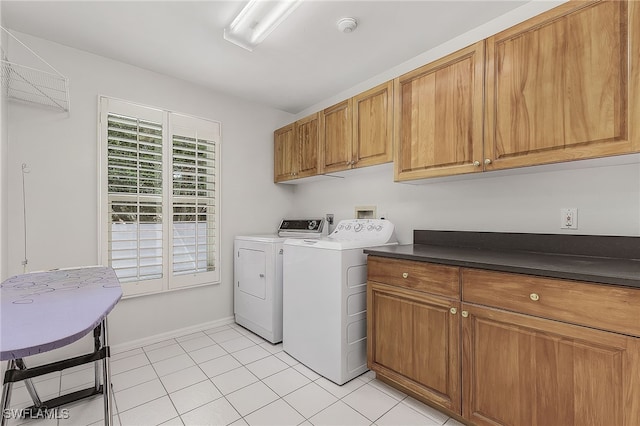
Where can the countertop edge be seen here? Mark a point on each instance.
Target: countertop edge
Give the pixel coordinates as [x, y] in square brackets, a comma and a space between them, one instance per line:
[391, 252]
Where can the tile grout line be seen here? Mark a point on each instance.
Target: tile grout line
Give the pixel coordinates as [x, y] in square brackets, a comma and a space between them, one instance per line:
[168, 394]
[156, 378]
[256, 342]
[210, 379]
[282, 397]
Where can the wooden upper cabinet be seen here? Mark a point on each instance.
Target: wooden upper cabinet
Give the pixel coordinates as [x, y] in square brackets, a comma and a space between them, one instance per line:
[564, 85]
[296, 149]
[335, 134]
[358, 131]
[285, 153]
[438, 117]
[373, 126]
[307, 133]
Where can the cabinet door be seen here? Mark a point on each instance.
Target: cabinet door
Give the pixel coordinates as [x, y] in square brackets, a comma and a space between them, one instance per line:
[564, 85]
[335, 137]
[373, 126]
[522, 370]
[413, 341]
[438, 117]
[307, 134]
[285, 153]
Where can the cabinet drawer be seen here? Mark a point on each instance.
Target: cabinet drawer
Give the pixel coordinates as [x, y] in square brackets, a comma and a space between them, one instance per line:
[428, 277]
[600, 306]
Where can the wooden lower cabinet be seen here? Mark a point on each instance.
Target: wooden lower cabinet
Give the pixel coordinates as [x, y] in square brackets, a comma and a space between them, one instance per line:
[413, 342]
[490, 363]
[523, 370]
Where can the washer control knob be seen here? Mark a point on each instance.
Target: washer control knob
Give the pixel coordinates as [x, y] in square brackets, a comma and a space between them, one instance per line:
[358, 227]
[370, 228]
[379, 228]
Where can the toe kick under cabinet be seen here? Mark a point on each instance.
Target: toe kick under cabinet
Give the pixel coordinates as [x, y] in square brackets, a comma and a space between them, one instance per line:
[497, 348]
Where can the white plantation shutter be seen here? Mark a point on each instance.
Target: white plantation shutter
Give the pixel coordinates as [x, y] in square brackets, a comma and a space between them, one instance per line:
[135, 197]
[194, 208]
[158, 195]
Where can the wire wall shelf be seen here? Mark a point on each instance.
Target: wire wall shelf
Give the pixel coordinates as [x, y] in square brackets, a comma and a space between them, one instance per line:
[34, 86]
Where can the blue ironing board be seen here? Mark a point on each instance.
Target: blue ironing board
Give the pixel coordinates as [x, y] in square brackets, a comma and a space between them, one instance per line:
[47, 310]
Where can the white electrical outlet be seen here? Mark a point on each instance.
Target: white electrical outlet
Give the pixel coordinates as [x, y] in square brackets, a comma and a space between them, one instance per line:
[569, 218]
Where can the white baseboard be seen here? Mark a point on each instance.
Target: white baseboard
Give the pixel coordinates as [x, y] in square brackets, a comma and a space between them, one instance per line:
[150, 340]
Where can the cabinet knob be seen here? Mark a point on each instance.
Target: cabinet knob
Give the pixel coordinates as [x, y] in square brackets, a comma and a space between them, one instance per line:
[464, 314]
[476, 163]
[405, 275]
[534, 297]
[487, 161]
[261, 275]
[453, 311]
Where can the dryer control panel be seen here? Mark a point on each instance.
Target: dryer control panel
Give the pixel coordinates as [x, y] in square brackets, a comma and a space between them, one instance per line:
[302, 227]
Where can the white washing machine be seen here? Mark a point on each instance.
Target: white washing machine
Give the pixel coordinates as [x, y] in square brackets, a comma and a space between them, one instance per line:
[325, 299]
[257, 295]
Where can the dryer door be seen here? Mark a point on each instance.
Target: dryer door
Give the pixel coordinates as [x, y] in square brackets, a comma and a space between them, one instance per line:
[257, 297]
[251, 271]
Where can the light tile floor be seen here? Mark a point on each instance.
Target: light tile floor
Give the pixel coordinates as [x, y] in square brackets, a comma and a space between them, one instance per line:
[226, 376]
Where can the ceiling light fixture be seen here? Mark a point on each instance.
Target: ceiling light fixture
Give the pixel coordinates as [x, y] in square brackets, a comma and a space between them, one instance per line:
[256, 21]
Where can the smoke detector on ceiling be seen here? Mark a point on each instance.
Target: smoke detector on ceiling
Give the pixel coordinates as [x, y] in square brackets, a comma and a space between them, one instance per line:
[347, 25]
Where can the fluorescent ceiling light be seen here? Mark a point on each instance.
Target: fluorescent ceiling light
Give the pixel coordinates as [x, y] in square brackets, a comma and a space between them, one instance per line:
[256, 21]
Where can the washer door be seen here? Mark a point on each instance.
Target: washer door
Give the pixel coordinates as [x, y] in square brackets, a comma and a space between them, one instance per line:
[251, 273]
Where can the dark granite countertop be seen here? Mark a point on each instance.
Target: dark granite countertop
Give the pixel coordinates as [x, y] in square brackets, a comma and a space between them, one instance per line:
[582, 263]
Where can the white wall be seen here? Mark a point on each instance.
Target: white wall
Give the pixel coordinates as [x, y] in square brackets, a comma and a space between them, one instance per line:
[62, 206]
[528, 200]
[607, 198]
[3, 165]
[4, 223]
[3, 189]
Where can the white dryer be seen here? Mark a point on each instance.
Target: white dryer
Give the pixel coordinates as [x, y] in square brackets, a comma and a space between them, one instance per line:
[324, 297]
[257, 301]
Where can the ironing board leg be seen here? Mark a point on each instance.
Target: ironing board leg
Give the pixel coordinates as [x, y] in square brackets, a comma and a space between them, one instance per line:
[97, 339]
[6, 394]
[28, 383]
[106, 375]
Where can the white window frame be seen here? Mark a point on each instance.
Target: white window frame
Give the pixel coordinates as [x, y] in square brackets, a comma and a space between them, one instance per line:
[171, 121]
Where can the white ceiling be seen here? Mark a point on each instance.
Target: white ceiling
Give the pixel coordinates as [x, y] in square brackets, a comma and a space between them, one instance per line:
[304, 61]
